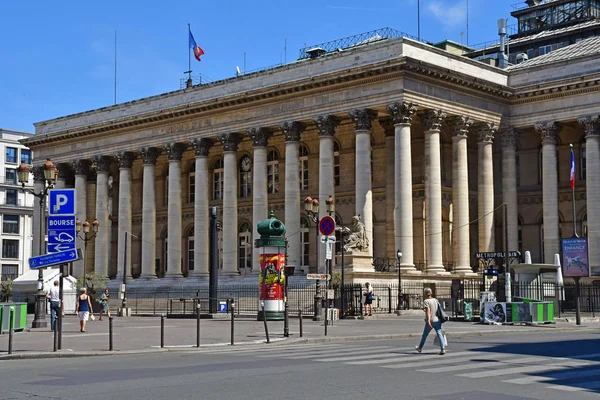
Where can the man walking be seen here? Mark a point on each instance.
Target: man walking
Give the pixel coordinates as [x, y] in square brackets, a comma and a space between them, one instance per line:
[54, 296]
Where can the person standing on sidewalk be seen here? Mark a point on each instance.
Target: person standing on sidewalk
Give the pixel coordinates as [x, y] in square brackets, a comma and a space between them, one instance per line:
[54, 296]
[431, 321]
[368, 293]
[83, 308]
[104, 304]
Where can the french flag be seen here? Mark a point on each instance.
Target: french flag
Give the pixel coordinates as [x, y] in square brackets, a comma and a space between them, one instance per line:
[572, 179]
[197, 49]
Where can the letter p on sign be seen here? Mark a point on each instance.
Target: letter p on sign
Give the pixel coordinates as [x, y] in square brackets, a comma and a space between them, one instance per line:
[62, 202]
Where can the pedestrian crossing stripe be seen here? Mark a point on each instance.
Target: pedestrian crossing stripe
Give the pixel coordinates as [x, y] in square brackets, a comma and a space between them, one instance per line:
[557, 370]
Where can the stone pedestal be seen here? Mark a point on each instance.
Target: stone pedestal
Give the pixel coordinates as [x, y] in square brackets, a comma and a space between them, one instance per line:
[358, 262]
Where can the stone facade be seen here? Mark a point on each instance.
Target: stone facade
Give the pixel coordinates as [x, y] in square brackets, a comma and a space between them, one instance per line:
[425, 145]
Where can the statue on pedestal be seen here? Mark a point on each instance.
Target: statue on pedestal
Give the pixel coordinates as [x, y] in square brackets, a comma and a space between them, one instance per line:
[358, 240]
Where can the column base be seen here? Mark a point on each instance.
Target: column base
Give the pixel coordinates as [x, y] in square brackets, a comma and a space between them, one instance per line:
[146, 277]
[436, 270]
[409, 269]
[173, 275]
[464, 271]
[194, 274]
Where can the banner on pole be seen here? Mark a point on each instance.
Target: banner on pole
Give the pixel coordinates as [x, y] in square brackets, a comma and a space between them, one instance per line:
[575, 258]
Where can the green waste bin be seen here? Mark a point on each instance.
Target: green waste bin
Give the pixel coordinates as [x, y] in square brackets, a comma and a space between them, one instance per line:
[19, 316]
[468, 311]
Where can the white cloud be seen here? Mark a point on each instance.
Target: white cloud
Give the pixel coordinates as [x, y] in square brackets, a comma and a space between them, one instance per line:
[449, 15]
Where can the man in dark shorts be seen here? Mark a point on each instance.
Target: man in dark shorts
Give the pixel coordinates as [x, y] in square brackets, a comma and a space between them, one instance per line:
[368, 293]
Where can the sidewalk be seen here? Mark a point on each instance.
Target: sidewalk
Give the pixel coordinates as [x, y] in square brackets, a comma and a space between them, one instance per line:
[142, 334]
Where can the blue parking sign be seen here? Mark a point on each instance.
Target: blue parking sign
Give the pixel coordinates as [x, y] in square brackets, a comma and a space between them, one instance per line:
[222, 306]
[62, 202]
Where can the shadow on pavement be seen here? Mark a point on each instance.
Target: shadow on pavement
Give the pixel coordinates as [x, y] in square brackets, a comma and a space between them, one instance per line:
[585, 377]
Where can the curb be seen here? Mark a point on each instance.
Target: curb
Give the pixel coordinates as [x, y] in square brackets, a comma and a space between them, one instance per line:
[338, 339]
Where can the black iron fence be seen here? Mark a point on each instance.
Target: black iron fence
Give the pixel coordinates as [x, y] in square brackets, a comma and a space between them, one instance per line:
[453, 294]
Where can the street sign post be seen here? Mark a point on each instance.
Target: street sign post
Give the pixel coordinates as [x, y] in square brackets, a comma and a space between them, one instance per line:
[318, 276]
[61, 233]
[48, 260]
[327, 225]
[62, 201]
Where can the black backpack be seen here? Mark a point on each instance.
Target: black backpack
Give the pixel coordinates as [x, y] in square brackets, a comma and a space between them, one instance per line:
[441, 314]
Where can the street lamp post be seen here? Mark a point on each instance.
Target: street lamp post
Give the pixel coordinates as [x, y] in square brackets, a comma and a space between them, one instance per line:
[399, 261]
[85, 227]
[50, 174]
[311, 208]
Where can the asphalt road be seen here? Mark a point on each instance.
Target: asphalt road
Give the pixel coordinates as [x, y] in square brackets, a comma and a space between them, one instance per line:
[509, 367]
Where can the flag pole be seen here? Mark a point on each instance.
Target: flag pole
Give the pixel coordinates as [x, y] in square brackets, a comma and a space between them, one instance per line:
[572, 179]
[115, 66]
[189, 71]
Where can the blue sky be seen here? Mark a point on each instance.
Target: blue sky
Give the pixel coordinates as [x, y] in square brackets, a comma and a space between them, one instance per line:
[57, 58]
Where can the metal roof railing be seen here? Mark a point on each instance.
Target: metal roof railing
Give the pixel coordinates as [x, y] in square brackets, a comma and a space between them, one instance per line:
[357, 40]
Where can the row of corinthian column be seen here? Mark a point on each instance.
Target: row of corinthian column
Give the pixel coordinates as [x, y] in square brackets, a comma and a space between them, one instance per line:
[401, 114]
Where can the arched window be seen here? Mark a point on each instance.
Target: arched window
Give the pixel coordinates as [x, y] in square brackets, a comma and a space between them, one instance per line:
[218, 179]
[245, 177]
[272, 172]
[304, 244]
[190, 249]
[303, 167]
[245, 247]
[336, 163]
[192, 183]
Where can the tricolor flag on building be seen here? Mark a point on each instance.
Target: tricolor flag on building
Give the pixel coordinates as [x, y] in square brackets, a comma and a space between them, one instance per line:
[572, 178]
[197, 49]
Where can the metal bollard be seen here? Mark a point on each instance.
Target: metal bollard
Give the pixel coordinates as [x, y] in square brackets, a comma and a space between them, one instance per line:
[110, 333]
[198, 325]
[58, 322]
[300, 321]
[10, 330]
[262, 304]
[389, 300]
[232, 305]
[361, 316]
[55, 346]
[162, 331]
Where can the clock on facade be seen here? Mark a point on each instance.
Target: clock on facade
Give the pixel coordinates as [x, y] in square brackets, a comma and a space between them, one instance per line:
[246, 164]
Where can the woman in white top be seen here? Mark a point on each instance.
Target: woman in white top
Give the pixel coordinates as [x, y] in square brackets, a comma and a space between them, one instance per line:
[431, 321]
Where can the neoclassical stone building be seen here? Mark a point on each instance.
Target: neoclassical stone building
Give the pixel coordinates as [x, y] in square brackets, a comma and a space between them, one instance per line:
[424, 144]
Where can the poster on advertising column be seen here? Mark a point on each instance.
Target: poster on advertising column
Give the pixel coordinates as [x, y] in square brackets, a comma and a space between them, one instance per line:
[575, 258]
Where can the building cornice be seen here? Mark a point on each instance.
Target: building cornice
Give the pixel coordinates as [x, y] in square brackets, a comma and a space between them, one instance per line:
[382, 71]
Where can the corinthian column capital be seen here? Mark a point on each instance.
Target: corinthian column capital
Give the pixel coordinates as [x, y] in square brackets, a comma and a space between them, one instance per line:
[175, 151]
[292, 130]
[485, 131]
[149, 154]
[326, 125]
[432, 119]
[548, 131]
[402, 112]
[460, 125]
[81, 167]
[591, 125]
[102, 163]
[508, 137]
[201, 147]
[125, 159]
[230, 141]
[260, 136]
[362, 118]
